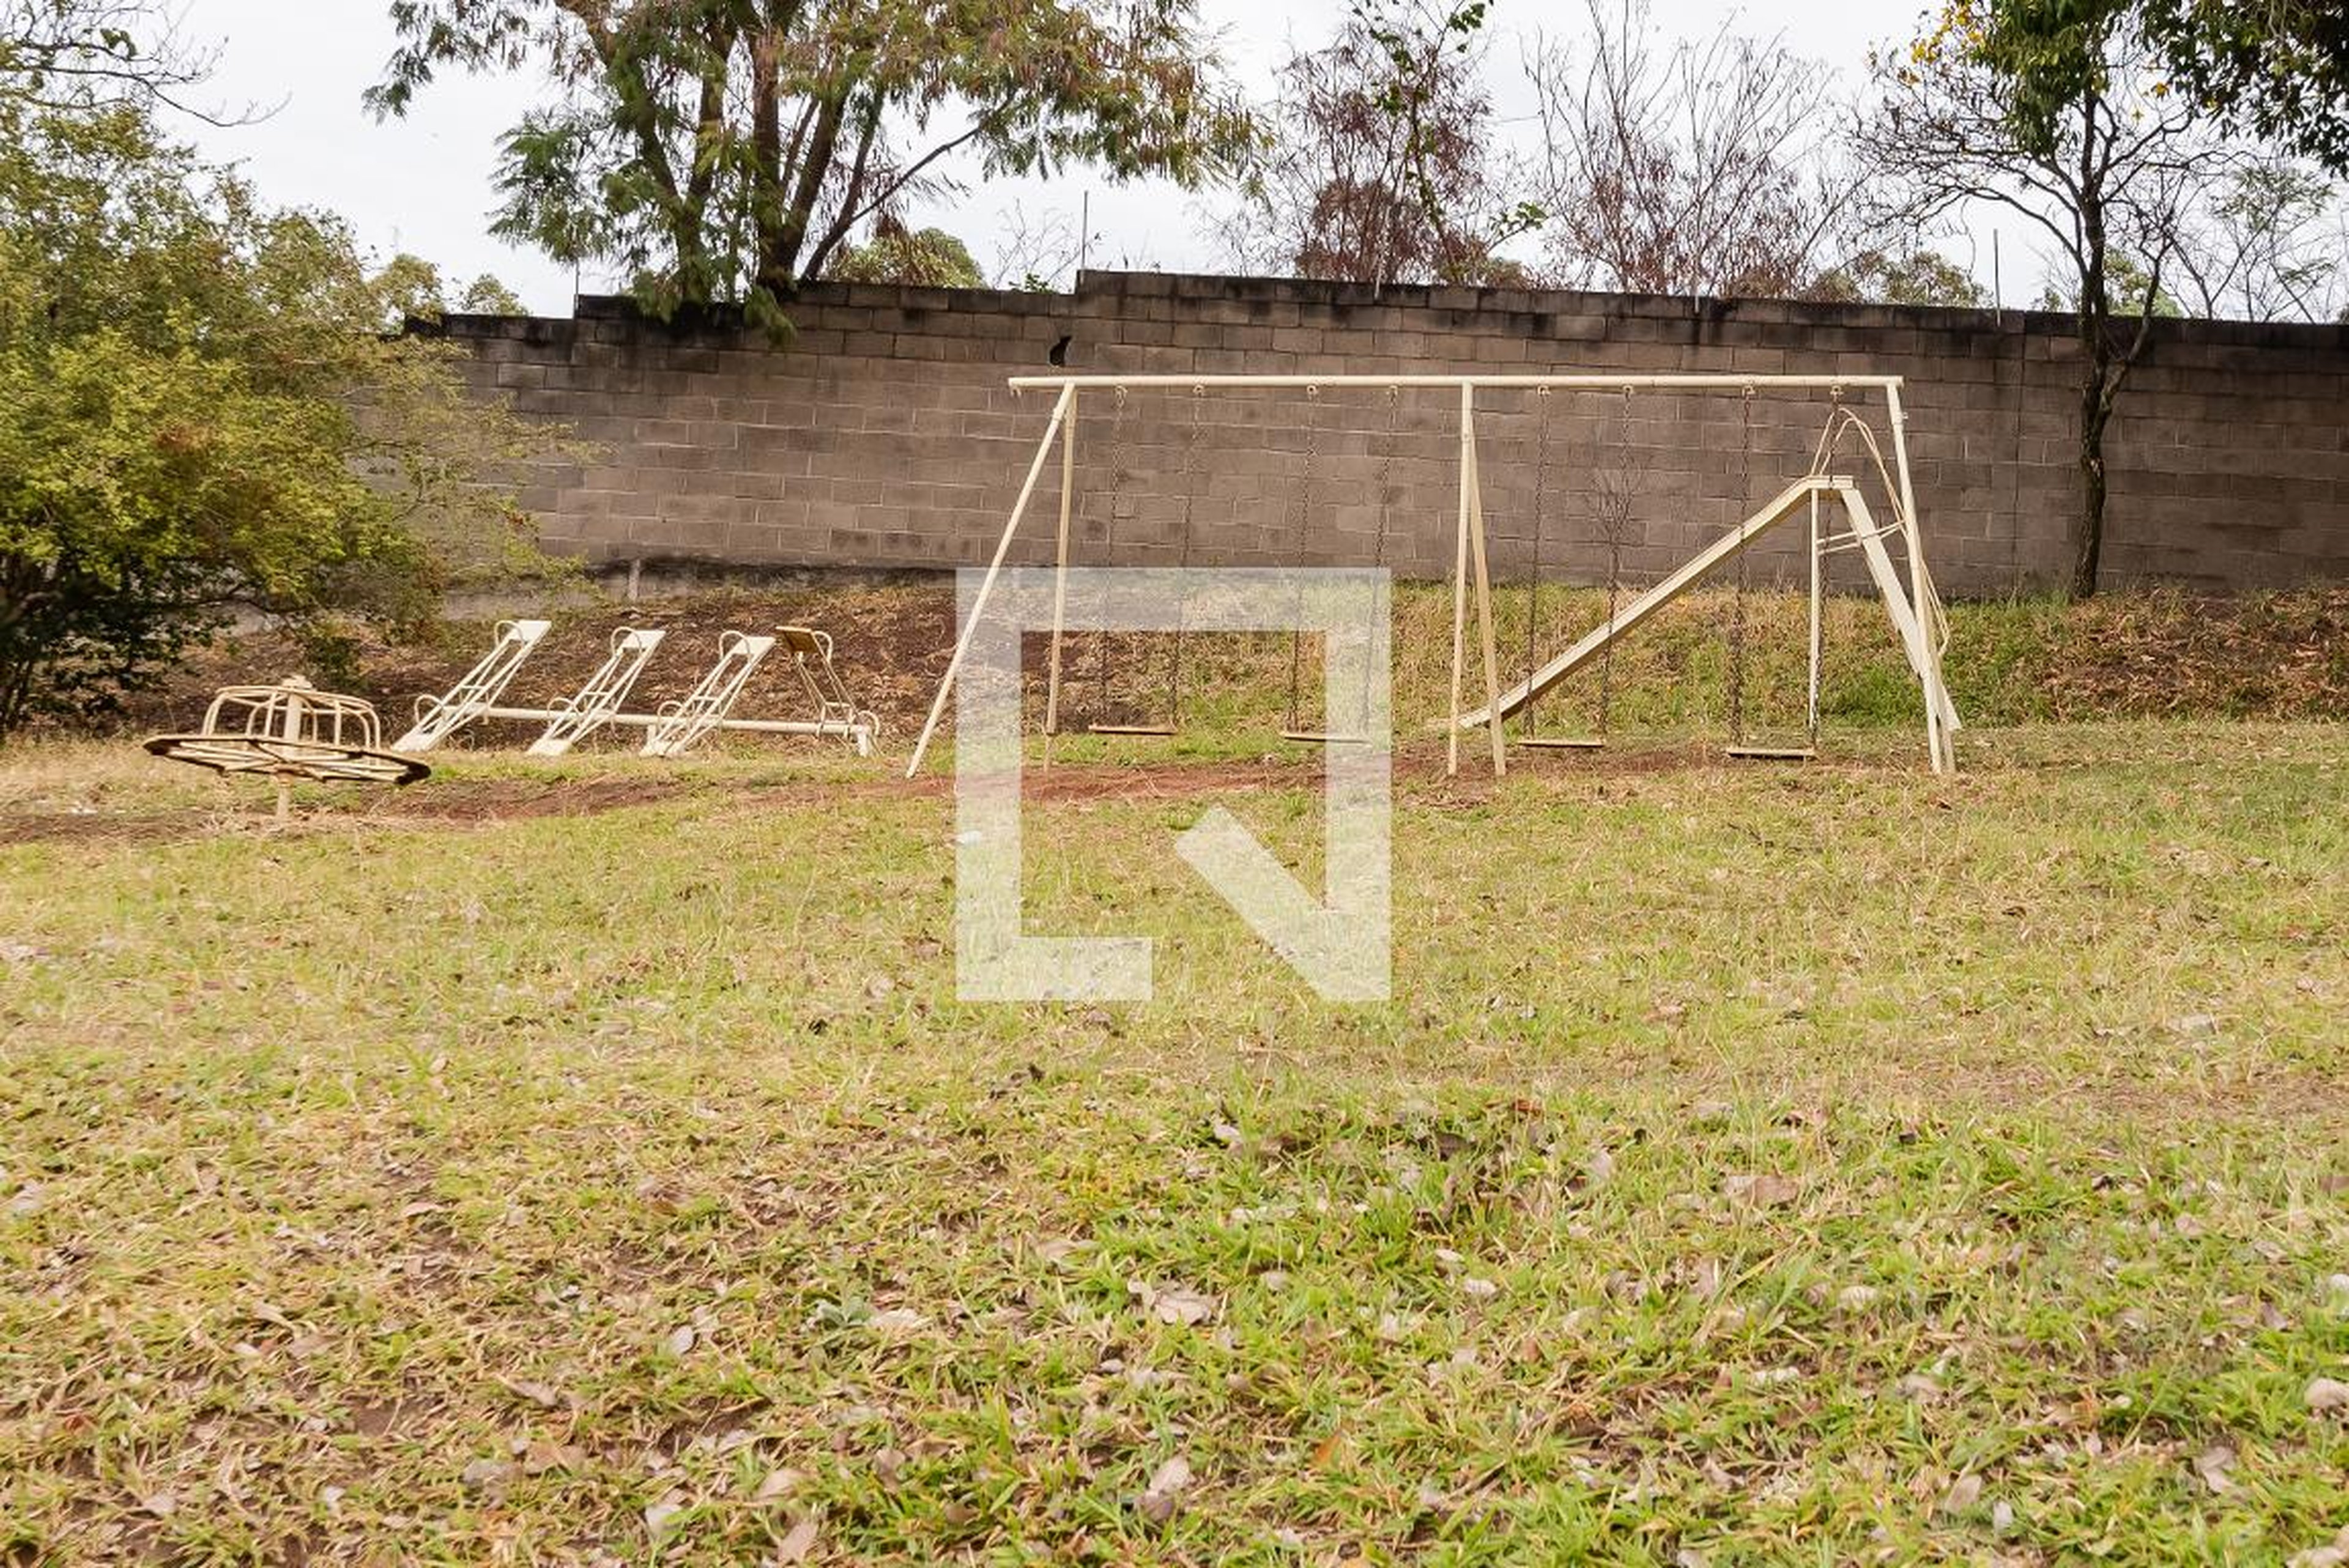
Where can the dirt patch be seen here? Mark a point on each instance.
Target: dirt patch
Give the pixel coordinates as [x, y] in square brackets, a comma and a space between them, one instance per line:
[520, 800]
[451, 801]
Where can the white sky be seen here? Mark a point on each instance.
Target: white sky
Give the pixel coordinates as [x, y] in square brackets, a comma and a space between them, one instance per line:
[422, 184]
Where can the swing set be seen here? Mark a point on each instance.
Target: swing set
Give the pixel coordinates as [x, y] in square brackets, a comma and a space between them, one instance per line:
[1912, 605]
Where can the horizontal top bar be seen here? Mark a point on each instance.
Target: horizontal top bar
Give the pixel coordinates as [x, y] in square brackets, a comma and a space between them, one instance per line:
[1575, 379]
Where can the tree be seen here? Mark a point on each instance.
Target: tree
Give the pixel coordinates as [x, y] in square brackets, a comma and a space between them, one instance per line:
[930, 259]
[198, 409]
[2278, 69]
[1702, 169]
[71, 54]
[413, 290]
[2270, 246]
[723, 149]
[487, 294]
[2069, 122]
[1377, 165]
[1891, 276]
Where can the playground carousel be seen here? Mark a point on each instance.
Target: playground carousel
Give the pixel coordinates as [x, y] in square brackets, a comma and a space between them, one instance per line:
[288, 731]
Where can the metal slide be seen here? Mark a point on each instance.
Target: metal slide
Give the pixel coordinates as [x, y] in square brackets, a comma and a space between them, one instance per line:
[1778, 509]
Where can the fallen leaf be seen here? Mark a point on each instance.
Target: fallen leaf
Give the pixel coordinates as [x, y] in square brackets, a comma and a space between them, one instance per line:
[1963, 1493]
[897, 1320]
[1183, 1306]
[680, 1340]
[2327, 1394]
[2213, 1465]
[1856, 1297]
[484, 1473]
[659, 1516]
[1167, 1484]
[541, 1457]
[1762, 1191]
[797, 1541]
[540, 1394]
[777, 1483]
[161, 1504]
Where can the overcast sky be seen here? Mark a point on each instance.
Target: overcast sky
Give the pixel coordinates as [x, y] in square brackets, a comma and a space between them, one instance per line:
[422, 184]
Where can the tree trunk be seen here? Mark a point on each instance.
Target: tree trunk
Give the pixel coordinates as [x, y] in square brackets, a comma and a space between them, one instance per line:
[2087, 531]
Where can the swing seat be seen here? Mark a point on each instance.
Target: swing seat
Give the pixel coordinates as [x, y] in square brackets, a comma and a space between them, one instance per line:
[1160, 729]
[1324, 737]
[1564, 742]
[1770, 753]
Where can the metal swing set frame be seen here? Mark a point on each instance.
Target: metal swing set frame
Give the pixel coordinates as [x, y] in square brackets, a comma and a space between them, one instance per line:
[1912, 605]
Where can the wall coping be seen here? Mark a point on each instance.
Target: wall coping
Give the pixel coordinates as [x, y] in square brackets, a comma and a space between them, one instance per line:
[1518, 309]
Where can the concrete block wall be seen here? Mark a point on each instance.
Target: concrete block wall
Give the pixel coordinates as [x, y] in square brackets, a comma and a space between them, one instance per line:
[884, 436]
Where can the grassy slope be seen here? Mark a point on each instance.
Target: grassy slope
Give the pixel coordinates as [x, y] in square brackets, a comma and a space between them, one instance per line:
[553, 1188]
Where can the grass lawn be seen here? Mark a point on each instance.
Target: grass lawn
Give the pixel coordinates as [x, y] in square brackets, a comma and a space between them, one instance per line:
[590, 1163]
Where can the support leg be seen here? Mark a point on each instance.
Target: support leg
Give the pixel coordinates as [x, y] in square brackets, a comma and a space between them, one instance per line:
[987, 583]
[1819, 607]
[1459, 592]
[1484, 599]
[1060, 578]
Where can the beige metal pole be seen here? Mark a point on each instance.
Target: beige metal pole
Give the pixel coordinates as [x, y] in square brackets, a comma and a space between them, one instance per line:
[1060, 577]
[1938, 739]
[1459, 593]
[987, 583]
[1483, 583]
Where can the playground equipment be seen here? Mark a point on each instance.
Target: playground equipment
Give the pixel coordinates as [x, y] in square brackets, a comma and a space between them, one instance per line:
[672, 730]
[288, 731]
[1911, 601]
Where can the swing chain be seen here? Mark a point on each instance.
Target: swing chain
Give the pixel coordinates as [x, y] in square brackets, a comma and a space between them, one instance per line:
[1304, 531]
[1182, 557]
[1737, 603]
[1543, 421]
[1117, 440]
[1615, 515]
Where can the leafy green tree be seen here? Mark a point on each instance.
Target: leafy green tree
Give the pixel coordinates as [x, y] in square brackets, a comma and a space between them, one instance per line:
[488, 295]
[1901, 277]
[2059, 111]
[2279, 69]
[723, 149]
[413, 290]
[931, 258]
[199, 411]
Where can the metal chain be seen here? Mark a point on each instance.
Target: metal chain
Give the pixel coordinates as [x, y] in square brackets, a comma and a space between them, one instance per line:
[1737, 605]
[1304, 527]
[1117, 440]
[1542, 411]
[1615, 513]
[1386, 513]
[1182, 557]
